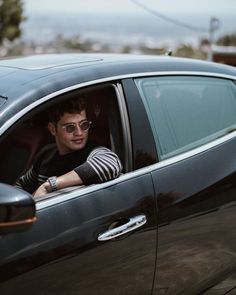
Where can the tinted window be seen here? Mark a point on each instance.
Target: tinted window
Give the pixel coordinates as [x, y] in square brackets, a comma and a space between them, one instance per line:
[187, 112]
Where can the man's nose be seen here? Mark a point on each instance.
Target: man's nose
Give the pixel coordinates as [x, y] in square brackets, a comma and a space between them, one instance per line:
[78, 130]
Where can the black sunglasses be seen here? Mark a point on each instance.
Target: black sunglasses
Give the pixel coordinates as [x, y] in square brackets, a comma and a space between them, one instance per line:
[71, 127]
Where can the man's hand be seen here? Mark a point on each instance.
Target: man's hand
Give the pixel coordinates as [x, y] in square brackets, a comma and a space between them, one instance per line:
[42, 190]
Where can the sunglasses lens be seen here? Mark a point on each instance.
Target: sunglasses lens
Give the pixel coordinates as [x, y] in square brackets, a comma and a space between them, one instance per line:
[70, 128]
[85, 125]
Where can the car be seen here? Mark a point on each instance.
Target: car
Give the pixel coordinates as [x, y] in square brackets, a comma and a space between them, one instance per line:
[167, 224]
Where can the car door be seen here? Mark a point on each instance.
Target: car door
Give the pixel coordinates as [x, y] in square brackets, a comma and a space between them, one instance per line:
[99, 239]
[61, 253]
[194, 119]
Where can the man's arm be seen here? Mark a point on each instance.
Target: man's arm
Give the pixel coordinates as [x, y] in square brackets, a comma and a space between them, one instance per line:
[101, 165]
[69, 179]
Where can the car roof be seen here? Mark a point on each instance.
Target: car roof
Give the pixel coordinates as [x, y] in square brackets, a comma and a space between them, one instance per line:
[52, 61]
[26, 79]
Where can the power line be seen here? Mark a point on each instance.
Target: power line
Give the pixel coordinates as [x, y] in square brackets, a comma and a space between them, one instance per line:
[169, 19]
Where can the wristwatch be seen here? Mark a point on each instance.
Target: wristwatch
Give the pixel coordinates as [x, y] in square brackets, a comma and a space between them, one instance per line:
[53, 184]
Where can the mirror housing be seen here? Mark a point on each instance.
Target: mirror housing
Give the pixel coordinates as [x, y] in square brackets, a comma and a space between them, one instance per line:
[17, 209]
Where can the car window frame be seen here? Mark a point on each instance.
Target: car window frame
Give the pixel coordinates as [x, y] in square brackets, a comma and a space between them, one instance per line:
[159, 165]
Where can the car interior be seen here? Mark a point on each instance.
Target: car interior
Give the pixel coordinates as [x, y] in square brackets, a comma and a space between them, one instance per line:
[19, 145]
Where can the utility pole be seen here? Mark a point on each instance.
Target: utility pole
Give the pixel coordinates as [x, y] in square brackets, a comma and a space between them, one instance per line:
[214, 25]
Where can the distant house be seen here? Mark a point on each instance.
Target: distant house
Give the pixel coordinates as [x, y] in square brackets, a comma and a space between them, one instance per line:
[224, 54]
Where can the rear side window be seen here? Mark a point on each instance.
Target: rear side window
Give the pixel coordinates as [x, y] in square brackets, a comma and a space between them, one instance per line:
[187, 112]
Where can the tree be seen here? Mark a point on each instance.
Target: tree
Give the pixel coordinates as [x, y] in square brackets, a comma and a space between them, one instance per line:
[227, 40]
[185, 50]
[11, 16]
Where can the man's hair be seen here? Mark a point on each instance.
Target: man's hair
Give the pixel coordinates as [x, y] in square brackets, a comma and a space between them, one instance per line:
[72, 106]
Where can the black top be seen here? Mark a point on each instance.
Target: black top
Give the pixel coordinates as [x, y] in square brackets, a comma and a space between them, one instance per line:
[49, 162]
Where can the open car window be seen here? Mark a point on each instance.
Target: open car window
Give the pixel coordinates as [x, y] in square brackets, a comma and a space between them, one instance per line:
[21, 144]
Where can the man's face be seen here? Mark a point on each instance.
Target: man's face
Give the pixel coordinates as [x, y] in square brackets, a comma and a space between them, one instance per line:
[66, 140]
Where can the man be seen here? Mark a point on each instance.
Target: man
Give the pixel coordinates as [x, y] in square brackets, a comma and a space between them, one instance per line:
[73, 159]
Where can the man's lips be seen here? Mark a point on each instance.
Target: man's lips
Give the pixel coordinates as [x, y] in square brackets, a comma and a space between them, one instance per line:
[77, 140]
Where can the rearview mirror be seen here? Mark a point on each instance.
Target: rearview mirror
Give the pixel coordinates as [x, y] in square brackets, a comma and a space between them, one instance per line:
[17, 209]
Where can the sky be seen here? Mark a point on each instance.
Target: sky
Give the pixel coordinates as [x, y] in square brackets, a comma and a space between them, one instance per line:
[163, 6]
[183, 19]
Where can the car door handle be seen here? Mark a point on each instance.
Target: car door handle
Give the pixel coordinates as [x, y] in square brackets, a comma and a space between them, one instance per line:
[132, 224]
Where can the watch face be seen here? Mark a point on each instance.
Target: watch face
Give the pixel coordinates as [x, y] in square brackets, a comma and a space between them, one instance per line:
[53, 183]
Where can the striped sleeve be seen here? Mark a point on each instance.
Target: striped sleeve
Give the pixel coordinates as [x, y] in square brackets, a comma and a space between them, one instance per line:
[101, 165]
[29, 181]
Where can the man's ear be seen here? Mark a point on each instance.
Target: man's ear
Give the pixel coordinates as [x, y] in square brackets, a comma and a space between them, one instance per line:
[52, 128]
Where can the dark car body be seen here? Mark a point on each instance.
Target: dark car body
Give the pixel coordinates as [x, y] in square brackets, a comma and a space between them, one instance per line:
[167, 224]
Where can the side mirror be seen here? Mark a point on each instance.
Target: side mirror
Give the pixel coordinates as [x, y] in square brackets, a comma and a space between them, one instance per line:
[17, 209]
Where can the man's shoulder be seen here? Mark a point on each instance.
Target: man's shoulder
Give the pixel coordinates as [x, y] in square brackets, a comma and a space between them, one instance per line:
[95, 147]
